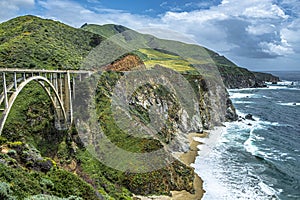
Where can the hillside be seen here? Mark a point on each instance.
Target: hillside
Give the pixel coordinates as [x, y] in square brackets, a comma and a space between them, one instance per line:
[184, 58]
[32, 42]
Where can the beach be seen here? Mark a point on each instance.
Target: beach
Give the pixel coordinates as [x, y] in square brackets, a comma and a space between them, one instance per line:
[188, 158]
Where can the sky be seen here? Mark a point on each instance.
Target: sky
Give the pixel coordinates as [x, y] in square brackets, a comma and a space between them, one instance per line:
[261, 35]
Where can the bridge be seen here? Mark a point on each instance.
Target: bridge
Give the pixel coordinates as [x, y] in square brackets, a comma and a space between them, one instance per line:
[58, 84]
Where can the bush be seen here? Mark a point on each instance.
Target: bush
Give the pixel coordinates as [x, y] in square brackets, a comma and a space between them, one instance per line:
[5, 192]
[48, 197]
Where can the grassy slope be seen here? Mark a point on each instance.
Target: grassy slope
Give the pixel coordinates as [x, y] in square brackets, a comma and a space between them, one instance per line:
[176, 55]
[154, 57]
[106, 30]
[31, 42]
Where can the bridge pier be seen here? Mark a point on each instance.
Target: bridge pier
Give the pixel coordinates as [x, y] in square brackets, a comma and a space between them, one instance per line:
[56, 83]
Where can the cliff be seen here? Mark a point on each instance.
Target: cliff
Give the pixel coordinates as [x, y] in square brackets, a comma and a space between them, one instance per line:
[243, 78]
[266, 77]
[184, 91]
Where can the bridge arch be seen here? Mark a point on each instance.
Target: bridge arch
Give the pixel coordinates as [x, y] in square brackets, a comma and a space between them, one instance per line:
[43, 82]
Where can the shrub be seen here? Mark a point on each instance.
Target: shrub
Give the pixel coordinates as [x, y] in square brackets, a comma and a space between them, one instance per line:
[5, 192]
[48, 197]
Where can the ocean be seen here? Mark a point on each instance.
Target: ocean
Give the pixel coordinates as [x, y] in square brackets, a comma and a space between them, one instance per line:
[256, 159]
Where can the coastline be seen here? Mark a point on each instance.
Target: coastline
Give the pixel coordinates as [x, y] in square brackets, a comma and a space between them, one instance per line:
[207, 146]
[188, 158]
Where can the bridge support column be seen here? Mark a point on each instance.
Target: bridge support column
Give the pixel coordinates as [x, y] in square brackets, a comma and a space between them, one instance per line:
[5, 91]
[68, 95]
[15, 81]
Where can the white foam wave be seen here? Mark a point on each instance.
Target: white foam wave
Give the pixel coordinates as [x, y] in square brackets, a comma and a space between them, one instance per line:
[213, 139]
[241, 95]
[268, 190]
[243, 102]
[276, 87]
[227, 182]
[225, 179]
[289, 104]
[250, 147]
[285, 82]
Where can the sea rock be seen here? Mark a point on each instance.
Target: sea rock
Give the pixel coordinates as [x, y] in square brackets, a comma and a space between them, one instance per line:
[249, 117]
[230, 111]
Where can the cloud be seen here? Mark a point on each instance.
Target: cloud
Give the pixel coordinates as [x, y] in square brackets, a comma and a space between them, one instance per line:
[75, 14]
[245, 28]
[261, 29]
[291, 35]
[276, 49]
[264, 11]
[10, 8]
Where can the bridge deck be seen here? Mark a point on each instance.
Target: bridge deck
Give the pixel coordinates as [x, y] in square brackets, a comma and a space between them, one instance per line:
[18, 70]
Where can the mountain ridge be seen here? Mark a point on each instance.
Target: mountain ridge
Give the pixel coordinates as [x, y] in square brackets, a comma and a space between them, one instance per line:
[229, 71]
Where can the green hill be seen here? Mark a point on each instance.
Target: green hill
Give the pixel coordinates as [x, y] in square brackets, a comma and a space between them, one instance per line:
[181, 57]
[32, 42]
[106, 30]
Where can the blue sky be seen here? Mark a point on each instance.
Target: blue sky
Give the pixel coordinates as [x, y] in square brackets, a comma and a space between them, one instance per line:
[260, 35]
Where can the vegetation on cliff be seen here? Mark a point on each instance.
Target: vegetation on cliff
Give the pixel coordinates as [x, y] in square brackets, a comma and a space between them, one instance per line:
[35, 156]
[183, 57]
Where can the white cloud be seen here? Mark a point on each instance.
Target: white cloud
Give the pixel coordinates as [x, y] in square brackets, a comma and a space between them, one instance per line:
[261, 29]
[75, 14]
[10, 8]
[194, 16]
[291, 35]
[264, 11]
[276, 49]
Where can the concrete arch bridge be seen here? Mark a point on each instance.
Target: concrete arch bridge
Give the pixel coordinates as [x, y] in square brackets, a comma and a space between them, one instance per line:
[58, 84]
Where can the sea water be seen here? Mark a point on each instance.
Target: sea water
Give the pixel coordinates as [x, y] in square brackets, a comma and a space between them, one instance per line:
[256, 159]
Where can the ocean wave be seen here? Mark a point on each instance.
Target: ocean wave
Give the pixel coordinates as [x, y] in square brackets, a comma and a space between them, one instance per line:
[243, 102]
[284, 82]
[279, 86]
[276, 87]
[241, 95]
[289, 104]
[244, 162]
[267, 189]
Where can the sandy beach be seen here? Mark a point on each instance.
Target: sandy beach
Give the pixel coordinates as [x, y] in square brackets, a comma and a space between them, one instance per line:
[200, 145]
[187, 158]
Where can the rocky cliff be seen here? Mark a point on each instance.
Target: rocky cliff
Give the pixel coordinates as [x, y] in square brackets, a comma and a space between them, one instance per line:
[236, 77]
[175, 100]
[265, 77]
